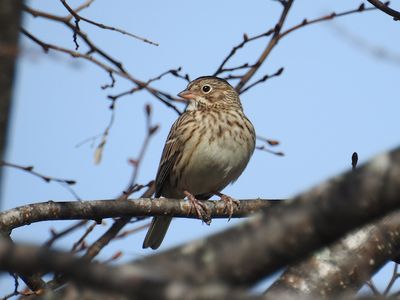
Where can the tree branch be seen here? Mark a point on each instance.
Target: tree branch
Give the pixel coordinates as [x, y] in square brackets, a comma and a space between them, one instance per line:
[125, 279]
[10, 19]
[78, 18]
[271, 44]
[386, 9]
[285, 233]
[100, 209]
[344, 266]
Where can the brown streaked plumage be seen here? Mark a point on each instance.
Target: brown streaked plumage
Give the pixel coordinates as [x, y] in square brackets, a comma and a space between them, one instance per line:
[207, 148]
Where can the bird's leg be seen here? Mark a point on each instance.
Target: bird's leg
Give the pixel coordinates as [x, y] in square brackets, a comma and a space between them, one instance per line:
[200, 208]
[230, 203]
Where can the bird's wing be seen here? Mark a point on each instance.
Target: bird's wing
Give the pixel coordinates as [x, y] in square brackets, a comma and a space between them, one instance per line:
[172, 150]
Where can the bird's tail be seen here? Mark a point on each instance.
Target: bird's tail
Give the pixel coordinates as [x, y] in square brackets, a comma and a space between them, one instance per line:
[158, 229]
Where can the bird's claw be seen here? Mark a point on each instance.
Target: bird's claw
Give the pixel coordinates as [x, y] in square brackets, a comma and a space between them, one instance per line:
[230, 204]
[200, 208]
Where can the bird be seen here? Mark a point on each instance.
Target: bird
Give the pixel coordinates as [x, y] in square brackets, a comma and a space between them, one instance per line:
[207, 148]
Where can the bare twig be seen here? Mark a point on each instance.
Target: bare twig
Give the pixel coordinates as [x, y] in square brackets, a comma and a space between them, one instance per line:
[81, 7]
[150, 131]
[16, 286]
[82, 238]
[365, 45]
[114, 257]
[263, 148]
[246, 40]
[271, 143]
[373, 288]
[30, 170]
[117, 66]
[333, 15]
[174, 72]
[78, 18]
[393, 279]
[57, 235]
[273, 41]
[268, 141]
[131, 231]
[277, 35]
[263, 79]
[65, 183]
[98, 153]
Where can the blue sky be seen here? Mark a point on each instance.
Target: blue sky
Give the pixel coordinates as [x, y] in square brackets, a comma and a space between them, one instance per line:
[336, 96]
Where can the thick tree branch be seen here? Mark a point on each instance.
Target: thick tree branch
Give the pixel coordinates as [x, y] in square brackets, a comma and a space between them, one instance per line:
[386, 9]
[125, 279]
[10, 19]
[100, 209]
[344, 266]
[285, 233]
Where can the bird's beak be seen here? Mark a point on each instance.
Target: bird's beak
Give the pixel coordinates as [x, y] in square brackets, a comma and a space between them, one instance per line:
[186, 94]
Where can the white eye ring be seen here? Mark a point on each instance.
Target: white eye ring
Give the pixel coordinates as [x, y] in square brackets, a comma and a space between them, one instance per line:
[206, 88]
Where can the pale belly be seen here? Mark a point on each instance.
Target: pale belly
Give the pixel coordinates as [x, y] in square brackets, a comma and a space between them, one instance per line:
[214, 165]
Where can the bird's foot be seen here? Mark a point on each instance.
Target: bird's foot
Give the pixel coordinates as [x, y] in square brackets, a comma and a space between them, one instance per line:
[200, 208]
[230, 204]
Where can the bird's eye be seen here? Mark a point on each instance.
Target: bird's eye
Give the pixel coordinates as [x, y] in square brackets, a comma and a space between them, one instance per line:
[206, 89]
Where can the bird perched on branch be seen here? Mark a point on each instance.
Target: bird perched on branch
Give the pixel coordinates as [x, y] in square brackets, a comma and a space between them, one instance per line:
[207, 148]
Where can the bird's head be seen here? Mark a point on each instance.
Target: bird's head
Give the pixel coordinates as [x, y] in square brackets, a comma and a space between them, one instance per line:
[208, 91]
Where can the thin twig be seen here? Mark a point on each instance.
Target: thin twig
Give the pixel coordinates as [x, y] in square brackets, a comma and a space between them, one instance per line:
[98, 153]
[65, 183]
[114, 257]
[29, 169]
[277, 35]
[57, 235]
[263, 79]
[272, 43]
[16, 286]
[132, 231]
[82, 238]
[333, 15]
[118, 67]
[372, 287]
[79, 18]
[150, 131]
[263, 148]
[393, 279]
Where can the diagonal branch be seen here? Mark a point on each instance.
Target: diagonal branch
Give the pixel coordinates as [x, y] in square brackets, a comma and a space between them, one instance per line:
[271, 44]
[344, 266]
[125, 279]
[247, 253]
[386, 9]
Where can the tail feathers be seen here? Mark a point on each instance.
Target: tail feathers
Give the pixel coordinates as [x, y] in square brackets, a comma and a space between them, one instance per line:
[158, 229]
